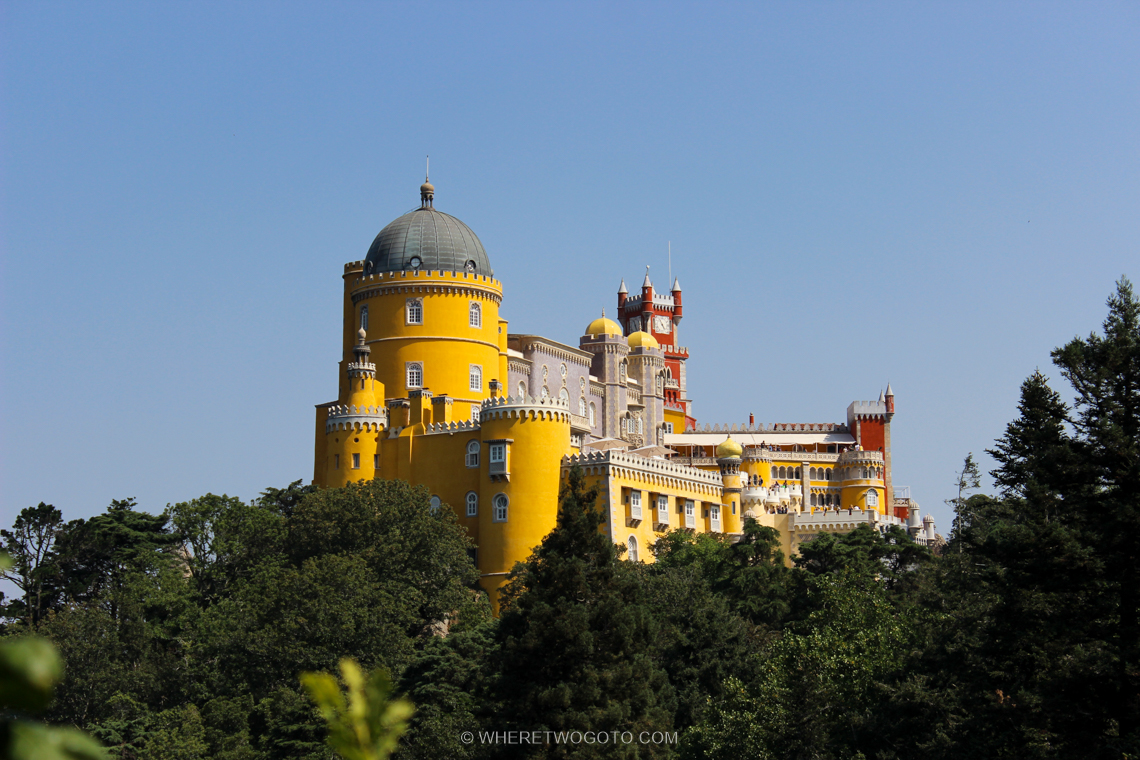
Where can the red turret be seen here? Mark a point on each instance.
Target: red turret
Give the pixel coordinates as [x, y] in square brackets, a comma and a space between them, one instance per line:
[623, 294]
[647, 303]
[677, 301]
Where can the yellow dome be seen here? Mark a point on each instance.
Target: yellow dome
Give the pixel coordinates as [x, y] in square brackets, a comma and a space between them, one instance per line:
[729, 448]
[643, 339]
[603, 326]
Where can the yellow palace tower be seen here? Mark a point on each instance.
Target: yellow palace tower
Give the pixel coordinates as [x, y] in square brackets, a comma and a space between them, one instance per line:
[435, 391]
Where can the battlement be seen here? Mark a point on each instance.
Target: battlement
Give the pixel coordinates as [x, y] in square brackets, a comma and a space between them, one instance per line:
[353, 417]
[663, 467]
[860, 457]
[866, 409]
[774, 427]
[462, 426]
[361, 367]
[521, 406]
[414, 275]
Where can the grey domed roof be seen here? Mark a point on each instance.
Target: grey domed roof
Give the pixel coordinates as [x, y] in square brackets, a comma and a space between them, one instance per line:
[439, 241]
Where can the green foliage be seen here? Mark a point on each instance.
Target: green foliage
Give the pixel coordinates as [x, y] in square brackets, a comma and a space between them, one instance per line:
[364, 721]
[29, 669]
[575, 641]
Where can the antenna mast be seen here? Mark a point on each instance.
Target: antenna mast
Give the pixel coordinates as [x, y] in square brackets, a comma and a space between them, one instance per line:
[670, 263]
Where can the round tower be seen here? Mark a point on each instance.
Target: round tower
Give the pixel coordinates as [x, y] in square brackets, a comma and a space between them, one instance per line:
[728, 456]
[525, 440]
[353, 428]
[861, 478]
[428, 299]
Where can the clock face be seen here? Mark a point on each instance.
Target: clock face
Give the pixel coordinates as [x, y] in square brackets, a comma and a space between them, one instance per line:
[662, 324]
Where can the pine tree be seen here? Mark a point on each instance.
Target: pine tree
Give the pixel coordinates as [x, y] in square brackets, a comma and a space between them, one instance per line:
[574, 640]
[1105, 373]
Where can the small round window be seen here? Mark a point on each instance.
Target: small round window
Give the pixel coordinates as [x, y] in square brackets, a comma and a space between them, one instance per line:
[415, 262]
[470, 266]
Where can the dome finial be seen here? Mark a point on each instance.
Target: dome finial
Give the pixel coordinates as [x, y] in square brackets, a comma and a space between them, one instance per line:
[427, 191]
[603, 312]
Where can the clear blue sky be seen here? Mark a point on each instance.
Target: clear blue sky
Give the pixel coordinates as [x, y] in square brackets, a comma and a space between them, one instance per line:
[931, 194]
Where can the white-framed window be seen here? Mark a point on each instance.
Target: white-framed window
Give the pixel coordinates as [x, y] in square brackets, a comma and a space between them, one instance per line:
[690, 514]
[545, 393]
[472, 504]
[562, 369]
[415, 374]
[522, 389]
[593, 415]
[668, 427]
[498, 453]
[475, 378]
[632, 543]
[475, 408]
[415, 311]
[475, 314]
[663, 509]
[640, 427]
[582, 384]
[872, 498]
[434, 504]
[582, 406]
[356, 461]
[564, 397]
[472, 454]
[714, 518]
[501, 503]
[364, 318]
[635, 504]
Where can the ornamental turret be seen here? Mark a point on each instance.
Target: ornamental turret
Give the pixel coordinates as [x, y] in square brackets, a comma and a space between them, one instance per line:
[677, 312]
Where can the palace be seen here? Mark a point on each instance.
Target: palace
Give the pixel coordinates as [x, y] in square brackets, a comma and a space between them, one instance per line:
[434, 390]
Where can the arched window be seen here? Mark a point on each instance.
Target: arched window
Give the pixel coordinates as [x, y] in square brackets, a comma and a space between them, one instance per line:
[866, 474]
[473, 453]
[827, 474]
[813, 500]
[522, 389]
[545, 392]
[827, 500]
[434, 504]
[415, 311]
[475, 314]
[632, 548]
[364, 318]
[872, 498]
[799, 474]
[811, 473]
[621, 370]
[640, 428]
[582, 407]
[500, 502]
[564, 397]
[781, 473]
[475, 378]
[415, 372]
[593, 415]
[472, 504]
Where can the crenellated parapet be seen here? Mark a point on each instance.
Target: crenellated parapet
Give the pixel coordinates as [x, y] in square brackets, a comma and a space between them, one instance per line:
[352, 417]
[424, 281]
[511, 407]
[461, 426]
[661, 471]
[860, 457]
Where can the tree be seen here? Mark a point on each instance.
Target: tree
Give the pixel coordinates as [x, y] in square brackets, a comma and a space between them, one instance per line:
[967, 479]
[30, 544]
[574, 638]
[1104, 371]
